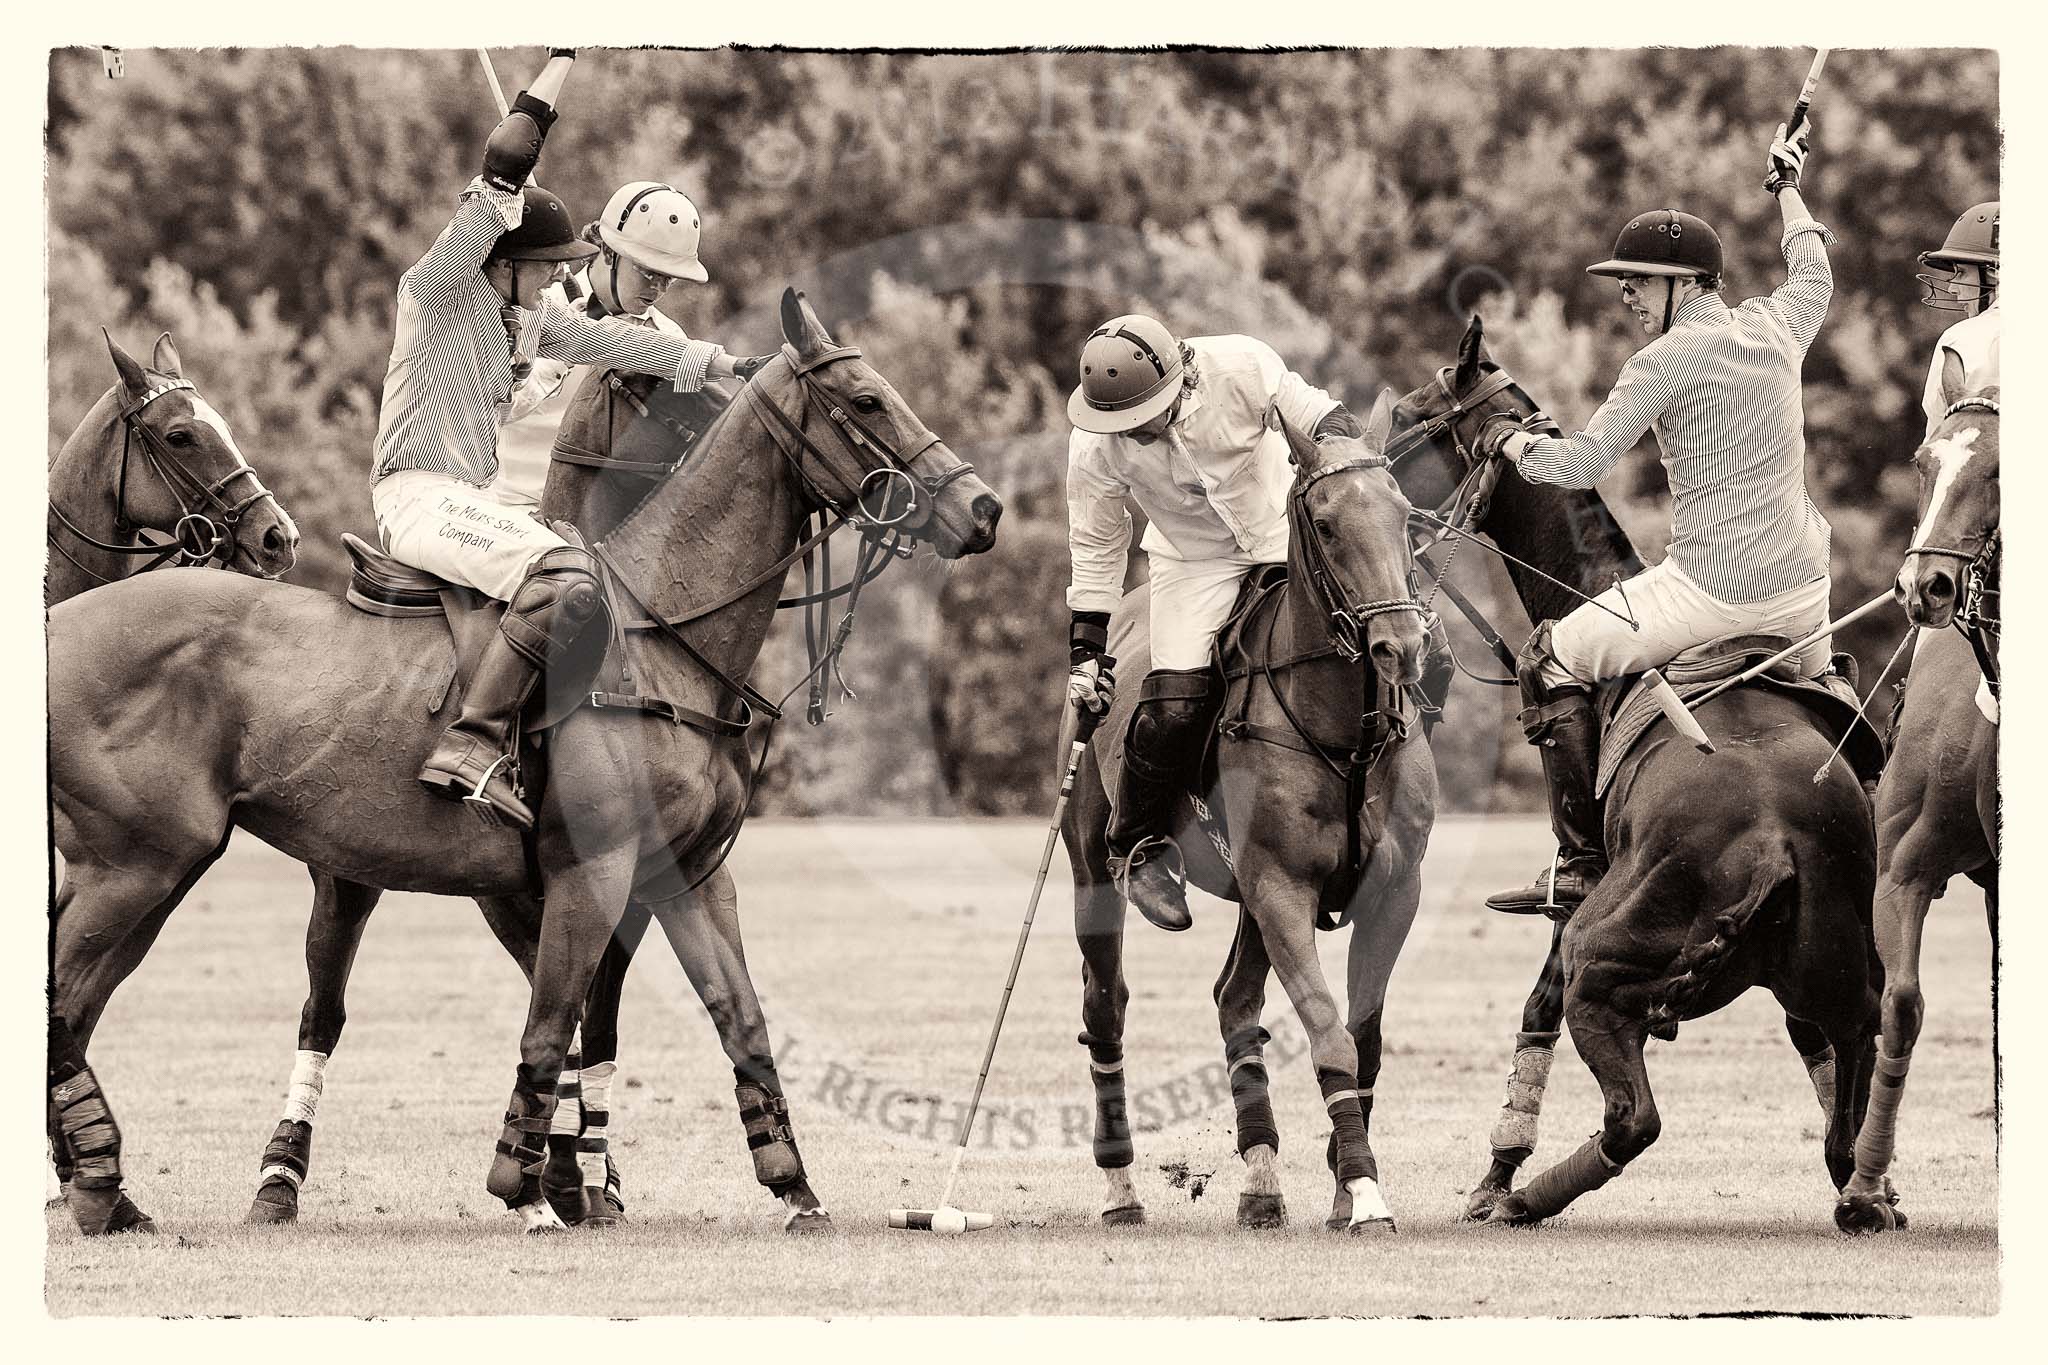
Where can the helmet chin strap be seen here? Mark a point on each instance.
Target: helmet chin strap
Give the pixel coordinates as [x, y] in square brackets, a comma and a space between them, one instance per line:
[1670, 293]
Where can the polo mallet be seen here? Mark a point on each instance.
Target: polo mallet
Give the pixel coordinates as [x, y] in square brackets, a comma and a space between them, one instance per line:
[483, 54]
[1805, 100]
[1077, 725]
[1675, 712]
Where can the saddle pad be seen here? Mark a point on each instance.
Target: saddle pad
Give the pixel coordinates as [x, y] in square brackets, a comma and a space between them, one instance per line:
[1831, 696]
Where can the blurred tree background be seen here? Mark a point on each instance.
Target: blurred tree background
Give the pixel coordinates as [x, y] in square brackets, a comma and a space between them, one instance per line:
[967, 220]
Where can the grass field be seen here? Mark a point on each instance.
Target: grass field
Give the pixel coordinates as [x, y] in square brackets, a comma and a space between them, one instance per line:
[879, 950]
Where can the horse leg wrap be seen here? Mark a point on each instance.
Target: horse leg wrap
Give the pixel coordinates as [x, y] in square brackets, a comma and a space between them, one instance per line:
[561, 1179]
[522, 1148]
[1875, 1142]
[770, 1139]
[593, 1147]
[1112, 1144]
[1249, 1094]
[1551, 1192]
[289, 1154]
[86, 1126]
[1820, 1069]
[1514, 1129]
[1350, 1157]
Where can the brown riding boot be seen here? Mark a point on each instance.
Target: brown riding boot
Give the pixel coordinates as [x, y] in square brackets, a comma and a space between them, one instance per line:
[1164, 744]
[1566, 732]
[475, 761]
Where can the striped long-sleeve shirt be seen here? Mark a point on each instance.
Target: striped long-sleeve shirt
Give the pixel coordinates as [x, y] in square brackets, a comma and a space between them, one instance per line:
[450, 375]
[1721, 391]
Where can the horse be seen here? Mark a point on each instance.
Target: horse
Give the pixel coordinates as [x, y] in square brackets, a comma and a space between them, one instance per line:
[1937, 803]
[1314, 743]
[188, 481]
[619, 435]
[289, 714]
[1753, 867]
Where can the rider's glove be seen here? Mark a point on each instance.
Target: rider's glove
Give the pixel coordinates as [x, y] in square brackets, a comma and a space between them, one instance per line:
[1787, 158]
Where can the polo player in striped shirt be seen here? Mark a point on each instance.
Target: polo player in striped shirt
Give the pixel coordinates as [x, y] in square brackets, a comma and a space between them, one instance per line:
[1749, 551]
[471, 318]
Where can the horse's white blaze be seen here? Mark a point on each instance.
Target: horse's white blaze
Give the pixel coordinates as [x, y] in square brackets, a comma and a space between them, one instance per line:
[1951, 454]
[1368, 1205]
[208, 414]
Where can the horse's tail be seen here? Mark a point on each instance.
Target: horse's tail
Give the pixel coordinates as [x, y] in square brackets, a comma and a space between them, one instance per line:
[1698, 962]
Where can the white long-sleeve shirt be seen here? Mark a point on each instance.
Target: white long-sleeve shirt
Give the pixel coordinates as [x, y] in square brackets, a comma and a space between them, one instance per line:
[1213, 487]
[450, 377]
[1975, 342]
[1721, 390]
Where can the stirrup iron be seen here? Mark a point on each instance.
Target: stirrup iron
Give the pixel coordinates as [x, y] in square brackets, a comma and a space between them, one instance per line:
[480, 803]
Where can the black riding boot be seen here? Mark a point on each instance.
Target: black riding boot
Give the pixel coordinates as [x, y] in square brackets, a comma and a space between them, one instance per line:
[1563, 726]
[1160, 754]
[476, 761]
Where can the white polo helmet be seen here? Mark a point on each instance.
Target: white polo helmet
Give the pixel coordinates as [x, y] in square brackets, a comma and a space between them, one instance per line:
[654, 225]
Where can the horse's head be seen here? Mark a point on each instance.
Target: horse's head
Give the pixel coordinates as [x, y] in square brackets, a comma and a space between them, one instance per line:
[180, 472]
[1956, 534]
[860, 450]
[1348, 529]
[1438, 427]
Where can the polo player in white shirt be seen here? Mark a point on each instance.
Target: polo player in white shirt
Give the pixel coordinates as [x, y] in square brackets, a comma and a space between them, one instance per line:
[1185, 430]
[1720, 388]
[1970, 255]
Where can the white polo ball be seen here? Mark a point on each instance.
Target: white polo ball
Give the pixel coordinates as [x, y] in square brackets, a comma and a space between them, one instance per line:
[949, 1220]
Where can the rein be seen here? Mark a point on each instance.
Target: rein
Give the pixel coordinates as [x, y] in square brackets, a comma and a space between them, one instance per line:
[197, 538]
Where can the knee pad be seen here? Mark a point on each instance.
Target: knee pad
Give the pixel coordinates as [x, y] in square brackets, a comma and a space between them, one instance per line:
[561, 597]
[1173, 708]
[1543, 704]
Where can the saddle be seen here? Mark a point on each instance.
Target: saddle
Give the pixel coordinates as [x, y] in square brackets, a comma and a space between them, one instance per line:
[382, 586]
[1629, 711]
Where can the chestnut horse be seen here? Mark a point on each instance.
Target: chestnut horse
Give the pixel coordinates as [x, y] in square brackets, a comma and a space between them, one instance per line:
[1301, 739]
[1937, 804]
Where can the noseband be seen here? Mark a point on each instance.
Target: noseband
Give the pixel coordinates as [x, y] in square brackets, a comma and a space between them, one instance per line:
[199, 536]
[1347, 619]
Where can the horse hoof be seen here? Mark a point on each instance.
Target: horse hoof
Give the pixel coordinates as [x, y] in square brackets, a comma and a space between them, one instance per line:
[1373, 1227]
[604, 1211]
[1867, 1215]
[1481, 1203]
[538, 1219]
[1261, 1211]
[276, 1202]
[804, 1221]
[101, 1212]
[571, 1206]
[1129, 1216]
[1513, 1212]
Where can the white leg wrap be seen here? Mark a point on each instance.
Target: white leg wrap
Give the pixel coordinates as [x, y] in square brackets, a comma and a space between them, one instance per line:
[309, 1077]
[597, 1100]
[568, 1119]
[1822, 1071]
[597, 1086]
[284, 1173]
[1515, 1126]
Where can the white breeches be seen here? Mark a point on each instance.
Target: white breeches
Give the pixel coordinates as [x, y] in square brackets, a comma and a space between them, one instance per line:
[1191, 599]
[1675, 614]
[439, 523]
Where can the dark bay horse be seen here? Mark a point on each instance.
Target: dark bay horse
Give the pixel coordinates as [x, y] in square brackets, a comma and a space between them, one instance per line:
[286, 713]
[1937, 804]
[154, 455]
[1285, 769]
[1726, 871]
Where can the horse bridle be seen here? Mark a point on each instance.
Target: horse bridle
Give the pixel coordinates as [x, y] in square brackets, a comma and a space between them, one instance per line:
[1347, 620]
[197, 537]
[1978, 567]
[894, 465]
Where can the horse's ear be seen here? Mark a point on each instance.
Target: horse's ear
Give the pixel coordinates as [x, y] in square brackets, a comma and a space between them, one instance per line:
[793, 318]
[1306, 453]
[132, 377]
[165, 358]
[1380, 424]
[1953, 385]
[1471, 354]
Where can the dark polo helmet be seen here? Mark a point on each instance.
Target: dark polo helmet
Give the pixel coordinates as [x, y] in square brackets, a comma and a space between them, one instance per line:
[1972, 241]
[1663, 242]
[544, 234]
[1130, 373]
